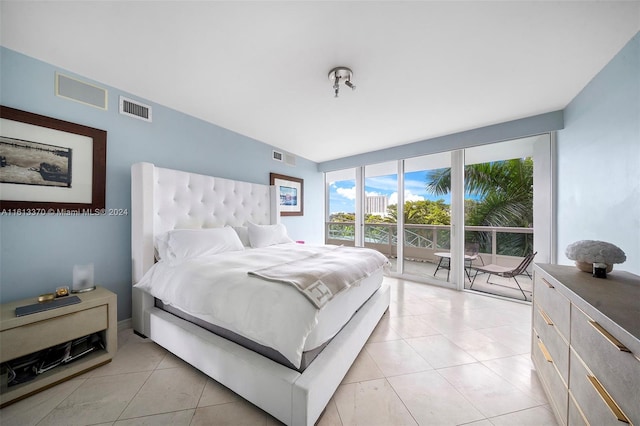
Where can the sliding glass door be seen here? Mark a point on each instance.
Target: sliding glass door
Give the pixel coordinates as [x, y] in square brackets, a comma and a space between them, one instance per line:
[341, 194]
[413, 195]
[380, 210]
[440, 217]
[499, 212]
[427, 217]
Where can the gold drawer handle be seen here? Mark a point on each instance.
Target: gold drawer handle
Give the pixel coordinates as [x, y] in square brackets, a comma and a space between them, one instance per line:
[607, 399]
[544, 351]
[615, 342]
[545, 317]
[547, 283]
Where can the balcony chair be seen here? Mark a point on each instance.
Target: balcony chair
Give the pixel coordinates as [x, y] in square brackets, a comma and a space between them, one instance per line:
[505, 271]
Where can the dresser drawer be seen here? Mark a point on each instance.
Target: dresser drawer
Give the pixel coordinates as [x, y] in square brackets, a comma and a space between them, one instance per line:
[555, 388]
[576, 418]
[555, 344]
[40, 335]
[617, 370]
[593, 398]
[547, 297]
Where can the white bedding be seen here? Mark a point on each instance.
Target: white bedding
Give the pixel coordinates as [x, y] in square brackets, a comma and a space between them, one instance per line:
[273, 314]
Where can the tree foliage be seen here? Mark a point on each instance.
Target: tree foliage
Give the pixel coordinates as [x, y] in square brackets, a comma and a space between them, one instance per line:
[422, 212]
[504, 190]
[504, 193]
[416, 212]
[342, 217]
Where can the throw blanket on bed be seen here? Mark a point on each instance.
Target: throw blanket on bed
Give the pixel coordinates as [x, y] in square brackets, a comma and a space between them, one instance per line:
[321, 276]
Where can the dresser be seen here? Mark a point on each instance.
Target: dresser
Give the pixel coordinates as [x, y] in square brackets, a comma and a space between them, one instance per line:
[586, 344]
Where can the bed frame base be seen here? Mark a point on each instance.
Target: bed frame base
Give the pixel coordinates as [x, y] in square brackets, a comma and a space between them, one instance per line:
[292, 397]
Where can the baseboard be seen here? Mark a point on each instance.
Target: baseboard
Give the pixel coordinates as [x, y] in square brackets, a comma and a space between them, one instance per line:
[124, 324]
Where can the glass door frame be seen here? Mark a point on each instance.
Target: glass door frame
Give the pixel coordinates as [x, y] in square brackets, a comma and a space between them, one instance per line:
[400, 220]
[457, 219]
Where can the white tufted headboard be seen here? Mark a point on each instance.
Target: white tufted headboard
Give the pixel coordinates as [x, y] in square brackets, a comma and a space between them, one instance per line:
[165, 199]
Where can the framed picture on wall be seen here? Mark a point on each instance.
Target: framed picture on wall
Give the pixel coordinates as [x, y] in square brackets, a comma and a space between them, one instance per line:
[291, 194]
[49, 165]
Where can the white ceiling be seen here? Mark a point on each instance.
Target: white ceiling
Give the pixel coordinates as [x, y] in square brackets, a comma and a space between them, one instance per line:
[422, 69]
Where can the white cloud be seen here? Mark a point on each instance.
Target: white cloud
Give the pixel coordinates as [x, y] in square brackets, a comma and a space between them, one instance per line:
[348, 193]
[415, 185]
[385, 183]
[408, 196]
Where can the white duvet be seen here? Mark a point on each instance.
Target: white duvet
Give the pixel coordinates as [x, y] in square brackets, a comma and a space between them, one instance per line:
[218, 289]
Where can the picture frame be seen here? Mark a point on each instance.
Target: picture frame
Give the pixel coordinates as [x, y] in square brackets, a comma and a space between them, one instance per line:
[291, 192]
[49, 165]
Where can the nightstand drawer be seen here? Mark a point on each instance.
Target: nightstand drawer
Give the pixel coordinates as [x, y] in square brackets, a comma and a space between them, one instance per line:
[554, 304]
[40, 335]
[555, 344]
[594, 399]
[616, 368]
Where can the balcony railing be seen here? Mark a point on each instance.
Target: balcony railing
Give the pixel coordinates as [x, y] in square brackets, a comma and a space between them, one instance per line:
[498, 245]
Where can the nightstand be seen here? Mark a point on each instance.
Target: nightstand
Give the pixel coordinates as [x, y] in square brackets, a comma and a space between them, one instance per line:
[24, 335]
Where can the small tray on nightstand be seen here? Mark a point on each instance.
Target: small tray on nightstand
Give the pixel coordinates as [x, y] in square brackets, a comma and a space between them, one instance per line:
[45, 306]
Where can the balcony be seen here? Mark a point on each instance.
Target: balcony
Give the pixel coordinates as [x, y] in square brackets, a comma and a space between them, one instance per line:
[423, 241]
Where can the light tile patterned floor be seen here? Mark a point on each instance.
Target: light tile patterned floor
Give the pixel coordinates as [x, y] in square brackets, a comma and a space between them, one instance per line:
[438, 357]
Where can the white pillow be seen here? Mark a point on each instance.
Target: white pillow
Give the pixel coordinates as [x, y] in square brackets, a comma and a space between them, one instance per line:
[161, 245]
[190, 243]
[243, 234]
[267, 235]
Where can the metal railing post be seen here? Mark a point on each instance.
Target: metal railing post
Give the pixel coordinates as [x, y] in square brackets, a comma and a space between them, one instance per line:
[494, 245]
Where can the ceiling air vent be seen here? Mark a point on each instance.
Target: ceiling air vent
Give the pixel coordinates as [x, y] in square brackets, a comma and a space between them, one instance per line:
[135, 109]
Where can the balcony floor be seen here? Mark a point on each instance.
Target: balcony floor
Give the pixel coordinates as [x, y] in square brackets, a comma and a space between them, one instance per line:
[505, 287]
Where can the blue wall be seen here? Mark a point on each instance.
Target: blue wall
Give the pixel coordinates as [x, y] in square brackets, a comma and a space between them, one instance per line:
[38, 253]
[598, 167]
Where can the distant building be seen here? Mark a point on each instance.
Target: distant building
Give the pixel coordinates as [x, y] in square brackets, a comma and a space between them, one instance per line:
[376, 205]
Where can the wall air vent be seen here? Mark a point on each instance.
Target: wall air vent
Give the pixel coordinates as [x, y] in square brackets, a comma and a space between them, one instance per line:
[290, 159]
[284, 157]
[135, 109]
[79, 91]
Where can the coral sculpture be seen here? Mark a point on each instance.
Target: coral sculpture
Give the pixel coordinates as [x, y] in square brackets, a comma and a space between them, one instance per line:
[587, 252]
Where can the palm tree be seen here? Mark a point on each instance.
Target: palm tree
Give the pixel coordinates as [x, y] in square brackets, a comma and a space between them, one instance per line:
[504, 190]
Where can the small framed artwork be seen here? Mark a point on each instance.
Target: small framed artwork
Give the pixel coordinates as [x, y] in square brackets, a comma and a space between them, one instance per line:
[291, 194]
[49, 165]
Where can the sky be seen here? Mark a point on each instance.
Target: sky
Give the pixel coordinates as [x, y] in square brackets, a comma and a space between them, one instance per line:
[342, 194]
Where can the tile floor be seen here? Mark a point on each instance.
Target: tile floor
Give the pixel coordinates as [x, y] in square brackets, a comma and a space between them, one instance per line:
[438, 357]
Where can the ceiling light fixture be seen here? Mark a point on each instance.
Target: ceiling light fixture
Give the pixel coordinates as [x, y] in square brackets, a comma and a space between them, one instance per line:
[341, 74]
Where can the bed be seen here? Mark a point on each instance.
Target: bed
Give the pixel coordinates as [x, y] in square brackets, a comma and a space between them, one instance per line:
[295, 390]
